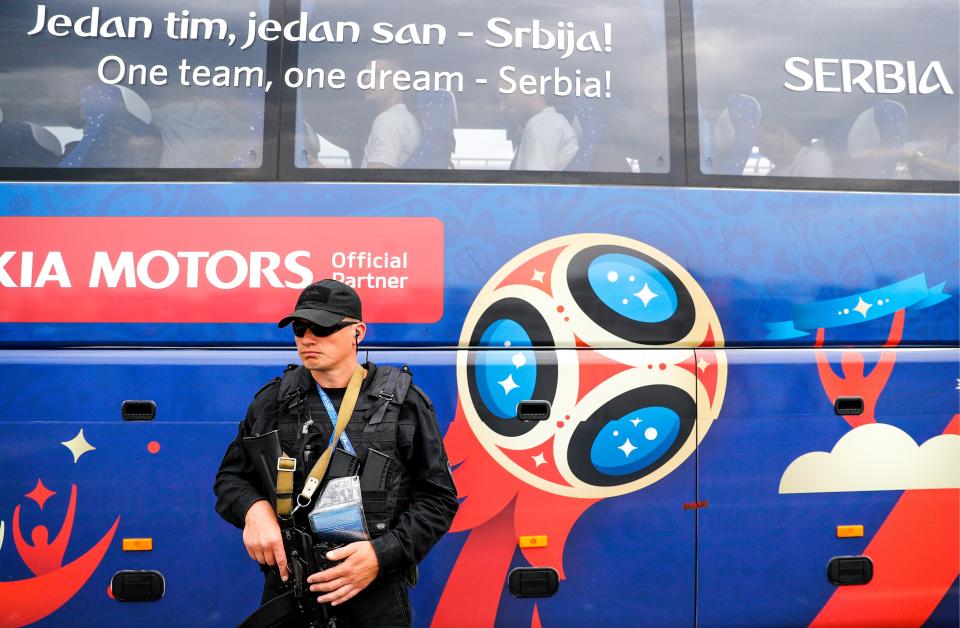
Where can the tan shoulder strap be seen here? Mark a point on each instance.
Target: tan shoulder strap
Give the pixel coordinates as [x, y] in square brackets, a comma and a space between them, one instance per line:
[286, 508]
[285, 468]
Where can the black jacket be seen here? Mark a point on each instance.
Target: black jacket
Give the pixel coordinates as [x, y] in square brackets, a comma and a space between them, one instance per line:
[407, 519]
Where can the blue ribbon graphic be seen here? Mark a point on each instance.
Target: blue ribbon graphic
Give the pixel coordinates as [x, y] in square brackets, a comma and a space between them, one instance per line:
[909, 294]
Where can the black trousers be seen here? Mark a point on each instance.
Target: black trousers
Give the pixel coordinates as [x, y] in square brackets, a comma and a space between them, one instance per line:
[384, 603]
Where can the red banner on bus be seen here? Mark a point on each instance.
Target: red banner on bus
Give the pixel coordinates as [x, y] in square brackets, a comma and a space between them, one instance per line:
[214, 269]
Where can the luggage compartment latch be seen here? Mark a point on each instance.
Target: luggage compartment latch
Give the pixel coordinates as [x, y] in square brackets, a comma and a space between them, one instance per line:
[533, 410]
[848, 406]
[533, 581]
[138, 410]
[847, 570]
[137, 585]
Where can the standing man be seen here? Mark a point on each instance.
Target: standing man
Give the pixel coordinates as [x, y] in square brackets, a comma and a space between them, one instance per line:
[408, 505]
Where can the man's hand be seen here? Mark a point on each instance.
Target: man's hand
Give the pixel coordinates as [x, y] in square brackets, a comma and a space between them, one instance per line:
[358, 569]
[261, 536]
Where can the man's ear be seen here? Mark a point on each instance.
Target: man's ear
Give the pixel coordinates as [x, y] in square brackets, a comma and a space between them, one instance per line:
[359, 332]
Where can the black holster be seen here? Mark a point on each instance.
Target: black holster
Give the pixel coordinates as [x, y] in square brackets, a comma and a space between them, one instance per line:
[264, 451]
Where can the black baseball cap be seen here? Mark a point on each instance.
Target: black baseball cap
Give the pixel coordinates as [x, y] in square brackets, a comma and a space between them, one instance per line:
[325, 303]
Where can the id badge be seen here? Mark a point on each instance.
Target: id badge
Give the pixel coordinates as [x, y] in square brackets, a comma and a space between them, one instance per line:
[337, 516]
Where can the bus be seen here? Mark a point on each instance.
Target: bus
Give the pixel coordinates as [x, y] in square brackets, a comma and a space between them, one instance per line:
[680, 277]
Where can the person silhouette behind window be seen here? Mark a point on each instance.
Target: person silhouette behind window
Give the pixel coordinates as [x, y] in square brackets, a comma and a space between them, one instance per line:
[793, 146]
[547, 140]
[395, 132]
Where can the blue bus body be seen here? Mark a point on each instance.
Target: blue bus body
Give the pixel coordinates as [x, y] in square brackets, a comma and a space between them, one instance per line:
[730, 526]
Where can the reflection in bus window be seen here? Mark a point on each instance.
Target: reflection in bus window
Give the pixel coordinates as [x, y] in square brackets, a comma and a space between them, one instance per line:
[480, 100]
[51, 88]
[117, 129]
[829, 89]
[27, 144]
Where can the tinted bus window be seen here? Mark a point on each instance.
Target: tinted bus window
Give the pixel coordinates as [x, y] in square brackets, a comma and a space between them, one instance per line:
[58, 112]
[864, 90]
[537, 86]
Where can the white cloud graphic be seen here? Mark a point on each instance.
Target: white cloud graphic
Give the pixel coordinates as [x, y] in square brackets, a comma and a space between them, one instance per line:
[876, 457]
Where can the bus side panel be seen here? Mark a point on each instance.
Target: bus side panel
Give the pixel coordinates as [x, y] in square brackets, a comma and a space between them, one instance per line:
[762, 257]
[780, 265]
[63, 428]
[624, 551]
[626, 555]
[782, 471]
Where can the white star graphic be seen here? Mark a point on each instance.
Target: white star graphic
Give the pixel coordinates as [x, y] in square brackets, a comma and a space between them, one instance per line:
[626, 448]
[1, 534]
[635, 422]
[862, 306]
[539, 459]
[646, 295]
[508, 384]
[78, 446]
[537, 276]
[703, 365]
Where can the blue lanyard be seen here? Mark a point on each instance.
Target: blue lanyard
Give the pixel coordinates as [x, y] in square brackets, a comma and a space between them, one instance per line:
[332, 413]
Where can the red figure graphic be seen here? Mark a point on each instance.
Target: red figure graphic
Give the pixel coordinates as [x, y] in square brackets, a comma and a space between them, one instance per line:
[916, 551]
[26, 601]
[916, 557]
[854, 382]
[44, 556]
[498, 509]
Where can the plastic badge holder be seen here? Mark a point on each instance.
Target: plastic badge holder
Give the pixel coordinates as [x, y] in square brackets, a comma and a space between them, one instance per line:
[338, 515]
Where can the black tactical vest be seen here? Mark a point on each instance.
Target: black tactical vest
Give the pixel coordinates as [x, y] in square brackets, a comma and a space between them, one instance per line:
[383, 443]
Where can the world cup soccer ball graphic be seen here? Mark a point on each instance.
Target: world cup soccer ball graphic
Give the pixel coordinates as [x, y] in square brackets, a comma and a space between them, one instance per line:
[603, 327]
[626, 348]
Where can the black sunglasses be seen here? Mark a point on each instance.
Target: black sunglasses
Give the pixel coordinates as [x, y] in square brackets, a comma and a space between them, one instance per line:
[300, 328]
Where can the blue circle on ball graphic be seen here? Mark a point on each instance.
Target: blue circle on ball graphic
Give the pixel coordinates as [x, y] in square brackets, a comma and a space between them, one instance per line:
[634, 441]
[632, 288]
[508, 376]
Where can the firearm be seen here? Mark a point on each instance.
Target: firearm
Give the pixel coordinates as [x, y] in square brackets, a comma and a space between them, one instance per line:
[297, 605]
[306, 556]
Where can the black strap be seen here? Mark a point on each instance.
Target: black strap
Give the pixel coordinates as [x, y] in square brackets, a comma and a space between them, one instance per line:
[393, 393]
[290, 393]
[290, 397]
[284, 611]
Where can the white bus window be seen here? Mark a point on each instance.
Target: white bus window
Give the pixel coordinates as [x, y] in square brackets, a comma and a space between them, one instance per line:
[533, 86]
[845, 89]
[79, 88]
